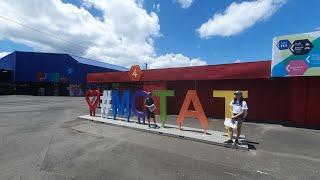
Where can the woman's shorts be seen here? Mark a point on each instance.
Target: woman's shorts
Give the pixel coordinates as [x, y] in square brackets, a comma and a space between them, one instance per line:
[239, 119]
[150, 114]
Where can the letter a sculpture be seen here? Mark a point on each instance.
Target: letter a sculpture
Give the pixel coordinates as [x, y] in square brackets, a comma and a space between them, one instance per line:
[198, 112]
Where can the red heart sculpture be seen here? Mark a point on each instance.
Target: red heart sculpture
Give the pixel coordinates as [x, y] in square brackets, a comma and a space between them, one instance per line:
[93, 104]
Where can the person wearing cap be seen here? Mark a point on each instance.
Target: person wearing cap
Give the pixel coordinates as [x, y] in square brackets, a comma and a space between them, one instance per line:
[239, 110]
[149, 104]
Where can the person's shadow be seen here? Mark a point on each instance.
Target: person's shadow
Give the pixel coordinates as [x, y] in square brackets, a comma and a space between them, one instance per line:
[251, 144]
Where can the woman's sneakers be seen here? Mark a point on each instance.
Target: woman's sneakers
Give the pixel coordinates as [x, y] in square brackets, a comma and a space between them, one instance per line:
[236, 142]
[228, 141]
[154, 126]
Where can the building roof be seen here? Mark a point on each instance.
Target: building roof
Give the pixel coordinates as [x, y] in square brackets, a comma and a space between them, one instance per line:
[248, 70]
[91, 62]
[80, 60]
[7, 62]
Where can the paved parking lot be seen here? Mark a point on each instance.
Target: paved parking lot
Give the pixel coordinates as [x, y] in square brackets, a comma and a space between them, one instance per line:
[37, 141]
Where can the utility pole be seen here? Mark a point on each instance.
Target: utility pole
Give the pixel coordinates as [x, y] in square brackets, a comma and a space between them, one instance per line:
[146, 66]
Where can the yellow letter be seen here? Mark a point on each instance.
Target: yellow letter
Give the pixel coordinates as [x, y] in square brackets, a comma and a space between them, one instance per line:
[228, 96]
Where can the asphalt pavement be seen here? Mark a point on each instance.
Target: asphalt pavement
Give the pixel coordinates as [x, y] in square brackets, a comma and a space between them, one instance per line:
[38, 141]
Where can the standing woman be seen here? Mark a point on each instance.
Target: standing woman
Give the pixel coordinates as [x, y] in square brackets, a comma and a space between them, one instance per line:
[239, 111]
[149, 104]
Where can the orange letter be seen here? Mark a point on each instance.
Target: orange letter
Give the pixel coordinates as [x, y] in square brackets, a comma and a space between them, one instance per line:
[198, 112]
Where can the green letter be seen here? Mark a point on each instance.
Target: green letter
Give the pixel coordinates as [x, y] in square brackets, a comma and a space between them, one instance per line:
[163, 103]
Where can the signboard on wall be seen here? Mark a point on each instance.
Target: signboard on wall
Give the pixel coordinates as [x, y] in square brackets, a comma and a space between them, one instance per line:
[51, 77]
[296, 55]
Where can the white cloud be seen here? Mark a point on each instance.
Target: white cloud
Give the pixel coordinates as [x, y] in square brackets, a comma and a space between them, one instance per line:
[237, 61]
[156, 7]
[173, 60]
[123, 36]
[185, 3]
[3, 54]
[238, 17]
[318, 28]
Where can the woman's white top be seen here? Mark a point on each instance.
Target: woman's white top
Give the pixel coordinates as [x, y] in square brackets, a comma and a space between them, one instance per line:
[237, 107]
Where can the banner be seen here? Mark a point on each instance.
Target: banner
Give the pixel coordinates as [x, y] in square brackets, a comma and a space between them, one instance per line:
[48, 77]
[296, 55]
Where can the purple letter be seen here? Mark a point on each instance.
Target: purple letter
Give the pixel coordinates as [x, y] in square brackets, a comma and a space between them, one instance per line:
[140, 114]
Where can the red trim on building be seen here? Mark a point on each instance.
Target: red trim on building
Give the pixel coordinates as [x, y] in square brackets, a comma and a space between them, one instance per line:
[249, 70]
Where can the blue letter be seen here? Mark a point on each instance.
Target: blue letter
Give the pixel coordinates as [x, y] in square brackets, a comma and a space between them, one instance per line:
[119, 106]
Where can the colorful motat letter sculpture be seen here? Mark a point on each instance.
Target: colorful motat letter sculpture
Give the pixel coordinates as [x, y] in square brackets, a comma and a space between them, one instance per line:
[124, 105]
[94, 101]
[127, 103]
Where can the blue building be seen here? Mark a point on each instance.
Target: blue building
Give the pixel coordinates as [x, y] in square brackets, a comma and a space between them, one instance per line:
[49, 73]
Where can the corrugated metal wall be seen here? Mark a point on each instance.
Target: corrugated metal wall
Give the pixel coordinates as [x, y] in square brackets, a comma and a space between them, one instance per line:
[28, 65]
[282, 99]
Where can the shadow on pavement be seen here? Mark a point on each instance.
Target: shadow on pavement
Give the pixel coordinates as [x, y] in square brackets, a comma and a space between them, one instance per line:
[286, 124]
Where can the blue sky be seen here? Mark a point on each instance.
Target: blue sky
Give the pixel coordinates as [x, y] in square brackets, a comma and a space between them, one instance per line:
[255, 43]
[169, 36]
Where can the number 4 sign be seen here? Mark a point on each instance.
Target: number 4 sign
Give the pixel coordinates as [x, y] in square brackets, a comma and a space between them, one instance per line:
[135, 73]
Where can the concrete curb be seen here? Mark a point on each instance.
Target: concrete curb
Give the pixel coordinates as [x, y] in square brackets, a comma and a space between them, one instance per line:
[213, 137]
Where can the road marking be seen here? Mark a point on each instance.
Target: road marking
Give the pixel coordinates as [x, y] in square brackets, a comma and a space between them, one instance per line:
[261, 172]
[230, 173]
